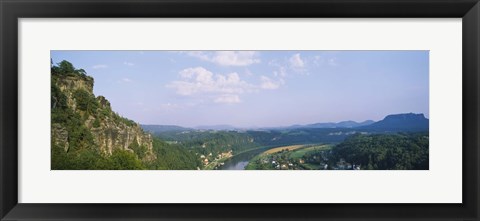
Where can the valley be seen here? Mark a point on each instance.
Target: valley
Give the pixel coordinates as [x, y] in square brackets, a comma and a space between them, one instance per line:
[305, 148]
[87, 134]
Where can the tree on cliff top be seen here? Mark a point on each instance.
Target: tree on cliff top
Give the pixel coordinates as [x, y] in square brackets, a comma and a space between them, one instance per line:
[65, 67]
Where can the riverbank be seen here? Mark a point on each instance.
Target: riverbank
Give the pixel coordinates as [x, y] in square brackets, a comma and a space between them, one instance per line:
[241, 159]
[219, 162]
[285, 158]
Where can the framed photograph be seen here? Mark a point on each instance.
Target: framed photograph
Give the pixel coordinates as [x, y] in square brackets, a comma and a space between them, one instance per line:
[310, 110]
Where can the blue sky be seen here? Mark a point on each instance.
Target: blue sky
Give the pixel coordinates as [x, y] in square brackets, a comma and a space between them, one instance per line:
[257, 88]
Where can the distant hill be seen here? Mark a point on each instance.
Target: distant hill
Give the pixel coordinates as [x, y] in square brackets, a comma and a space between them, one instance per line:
[400, 122]
[226, 127]
[391, 123]
[163, 128]
[342, 124]
[216, 127]
[174, 128]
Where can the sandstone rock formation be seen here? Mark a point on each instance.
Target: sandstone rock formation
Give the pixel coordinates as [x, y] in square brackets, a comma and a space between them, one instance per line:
[109, 130]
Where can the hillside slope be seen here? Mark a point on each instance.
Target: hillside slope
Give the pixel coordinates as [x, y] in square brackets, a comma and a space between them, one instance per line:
[400, 122]
[87, 134]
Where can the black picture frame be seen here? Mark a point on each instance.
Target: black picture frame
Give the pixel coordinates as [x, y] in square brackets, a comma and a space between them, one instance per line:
[12, 10]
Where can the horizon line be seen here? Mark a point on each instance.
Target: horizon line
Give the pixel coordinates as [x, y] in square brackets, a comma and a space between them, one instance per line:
[290, 125]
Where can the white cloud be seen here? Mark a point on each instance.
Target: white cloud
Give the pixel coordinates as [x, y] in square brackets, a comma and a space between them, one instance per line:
[268, 84]
[318, 60]
[322, 60]
[296, 61]
[126, 80]
[199, 54]
[227, 99]
[128, 63]
[239, 58]
[332, 62]
[248, 73]
[227, 58]
[282, 72]
[273, 63]
[99, 66]
[201, 81]
[293, 64]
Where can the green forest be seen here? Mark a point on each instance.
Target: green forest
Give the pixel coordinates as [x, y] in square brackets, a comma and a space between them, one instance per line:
[168, 158]
[401, 151]
[215, 142]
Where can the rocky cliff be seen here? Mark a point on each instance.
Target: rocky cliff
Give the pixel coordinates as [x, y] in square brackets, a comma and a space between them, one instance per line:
[81, 120]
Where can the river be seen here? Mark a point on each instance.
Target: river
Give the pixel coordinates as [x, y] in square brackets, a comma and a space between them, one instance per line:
[240, 161]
